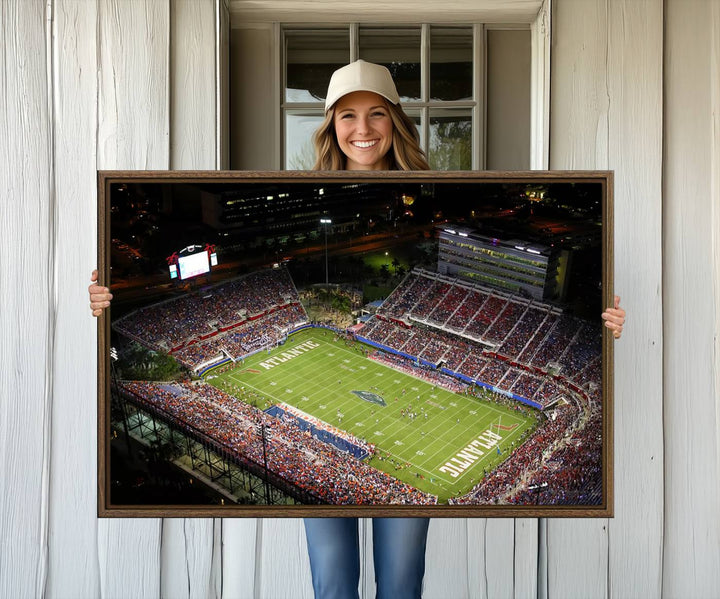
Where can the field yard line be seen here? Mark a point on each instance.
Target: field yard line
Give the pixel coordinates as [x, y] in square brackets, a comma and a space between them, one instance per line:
[485, 457]
[489, 406]
[393, 370]
[447, 446]
[324, 346]
[409, 430]
[270, 395]
[265, 394]
[350, 401]
[431, 474]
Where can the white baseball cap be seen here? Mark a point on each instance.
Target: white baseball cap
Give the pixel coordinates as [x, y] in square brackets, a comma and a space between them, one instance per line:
[361, 76]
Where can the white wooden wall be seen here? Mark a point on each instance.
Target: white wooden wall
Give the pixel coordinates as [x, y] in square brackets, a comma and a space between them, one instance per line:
[607, 112]
[635, 87]
[691, 294]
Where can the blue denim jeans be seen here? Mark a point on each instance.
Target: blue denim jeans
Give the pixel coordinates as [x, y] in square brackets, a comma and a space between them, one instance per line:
[398, 553]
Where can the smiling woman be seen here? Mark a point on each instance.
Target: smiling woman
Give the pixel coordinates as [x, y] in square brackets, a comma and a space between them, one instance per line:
[363, 107]
[364, 130]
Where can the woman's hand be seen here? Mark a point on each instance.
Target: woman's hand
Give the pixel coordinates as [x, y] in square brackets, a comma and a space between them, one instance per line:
[615, 318]
[99, 296]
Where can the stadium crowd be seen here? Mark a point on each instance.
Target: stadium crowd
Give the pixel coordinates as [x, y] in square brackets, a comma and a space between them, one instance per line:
[229, 320]
[454, 297]
[511, 343]
[466, 311]
[528, 338]
[247, 337]
[519, 470]
[426, 373]
[573, 474]
[318, 468]
[174, 323]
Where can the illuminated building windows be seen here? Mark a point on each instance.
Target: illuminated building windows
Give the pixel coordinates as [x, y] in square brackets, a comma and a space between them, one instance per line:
[514, 265]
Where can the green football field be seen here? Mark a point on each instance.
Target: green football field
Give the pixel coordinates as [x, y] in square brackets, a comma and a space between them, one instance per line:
[443, 450]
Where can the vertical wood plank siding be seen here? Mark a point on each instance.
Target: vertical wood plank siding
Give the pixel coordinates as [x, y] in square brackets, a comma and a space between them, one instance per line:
[133, 133]
[635, 87]
[189, 566]
[26, 304]
[72, 551]
[692, 399]
[577, 550]
[607, 113]
[282, 567]
[448, 563]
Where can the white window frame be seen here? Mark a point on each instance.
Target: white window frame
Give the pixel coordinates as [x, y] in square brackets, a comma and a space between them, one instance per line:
[539, 87]
[423, 107]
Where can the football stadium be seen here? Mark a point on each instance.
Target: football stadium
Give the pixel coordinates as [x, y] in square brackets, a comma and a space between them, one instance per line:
[408, 407]
[462, 386]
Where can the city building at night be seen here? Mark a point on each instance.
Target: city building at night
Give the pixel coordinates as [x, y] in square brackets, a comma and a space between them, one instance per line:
[262, 212]
[531, 269]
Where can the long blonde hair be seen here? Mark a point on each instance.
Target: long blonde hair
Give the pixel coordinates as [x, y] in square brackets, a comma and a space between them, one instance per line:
[405, 154]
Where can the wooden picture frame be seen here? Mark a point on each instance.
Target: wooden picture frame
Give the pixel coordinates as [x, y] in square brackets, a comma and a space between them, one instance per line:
[438, 334]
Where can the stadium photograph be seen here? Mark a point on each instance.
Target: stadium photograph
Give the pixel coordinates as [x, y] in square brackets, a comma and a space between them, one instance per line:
[281, 342]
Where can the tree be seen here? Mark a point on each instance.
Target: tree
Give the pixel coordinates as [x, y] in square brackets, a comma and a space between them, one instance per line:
[395, 264]
[138, 362]
[451, 145]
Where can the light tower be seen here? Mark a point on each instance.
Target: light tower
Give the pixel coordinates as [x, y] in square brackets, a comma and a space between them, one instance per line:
[326, 222]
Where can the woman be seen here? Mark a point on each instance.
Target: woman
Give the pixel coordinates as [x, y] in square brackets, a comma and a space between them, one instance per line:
[365, 129]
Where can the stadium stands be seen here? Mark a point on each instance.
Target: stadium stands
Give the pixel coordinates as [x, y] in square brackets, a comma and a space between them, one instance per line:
[497, 333]
[514, 345]
[454, 333]
[330, 475]
[232, 319]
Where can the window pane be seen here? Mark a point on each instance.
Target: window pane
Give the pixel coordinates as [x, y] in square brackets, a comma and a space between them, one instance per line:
[451, 56]
[311, 57]
[414, 115]
[399, 51]
[450, 145]
[299, 150]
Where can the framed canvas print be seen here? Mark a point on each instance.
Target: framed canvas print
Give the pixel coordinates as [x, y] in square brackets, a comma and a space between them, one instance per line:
[355, 344]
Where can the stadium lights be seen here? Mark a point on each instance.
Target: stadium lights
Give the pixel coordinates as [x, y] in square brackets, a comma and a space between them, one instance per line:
[533, 251]
[326, 222]
[450, 231]
[463, 234]
[520, 247]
